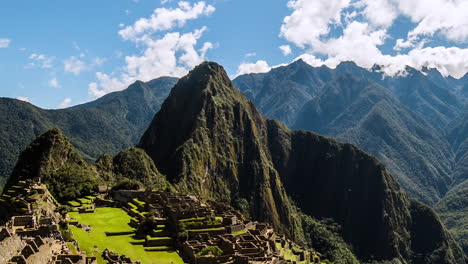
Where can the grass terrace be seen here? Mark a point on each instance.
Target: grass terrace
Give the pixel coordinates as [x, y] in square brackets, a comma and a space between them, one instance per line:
[116, 220]
[288, 254]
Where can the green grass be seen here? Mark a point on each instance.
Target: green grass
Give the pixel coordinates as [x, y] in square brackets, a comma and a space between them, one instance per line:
[192, 219]
[72, 248]
[115, 220]
[74, 203]
[138, 201]
[132, 206]
[208, 229]
[84, 201]
[239, 232]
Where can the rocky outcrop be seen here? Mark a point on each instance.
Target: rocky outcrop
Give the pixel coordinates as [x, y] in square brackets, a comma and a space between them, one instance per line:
[211, 141]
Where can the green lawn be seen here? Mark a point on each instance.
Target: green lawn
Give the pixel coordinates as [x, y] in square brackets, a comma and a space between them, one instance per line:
[115, 220]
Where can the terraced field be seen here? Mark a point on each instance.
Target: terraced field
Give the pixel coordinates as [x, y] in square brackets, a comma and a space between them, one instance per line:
[115, 220]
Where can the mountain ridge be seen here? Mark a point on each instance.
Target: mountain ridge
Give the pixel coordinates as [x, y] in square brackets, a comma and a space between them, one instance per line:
[243, 156]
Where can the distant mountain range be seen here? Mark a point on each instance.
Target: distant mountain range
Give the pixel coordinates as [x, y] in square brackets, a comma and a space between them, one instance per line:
[109, 124]
[410, 122]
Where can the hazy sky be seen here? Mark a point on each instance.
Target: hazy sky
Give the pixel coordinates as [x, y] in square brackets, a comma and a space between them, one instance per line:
[56, 53]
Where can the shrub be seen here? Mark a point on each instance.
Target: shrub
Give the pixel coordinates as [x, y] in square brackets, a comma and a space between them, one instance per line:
[127, 184]
[213, 250]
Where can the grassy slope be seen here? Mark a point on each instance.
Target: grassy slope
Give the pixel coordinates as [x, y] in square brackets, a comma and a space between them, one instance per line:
[115, 220]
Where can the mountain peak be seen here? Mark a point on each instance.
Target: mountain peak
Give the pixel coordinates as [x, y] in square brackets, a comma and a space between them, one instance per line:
[46, 153]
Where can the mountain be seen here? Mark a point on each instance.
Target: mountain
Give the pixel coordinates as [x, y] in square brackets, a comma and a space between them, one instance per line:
[401, 120]
[210, 140]
[52, 159]
[437, 103]
[458, 138]
[112, 123]
[364, 113]
[452, 209]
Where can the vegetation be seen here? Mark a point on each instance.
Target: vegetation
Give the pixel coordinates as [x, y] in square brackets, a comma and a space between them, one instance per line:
[71, 182]
[202, 223]
[212, 250]
[325, 238]
[453, 210]
[127, 184]
[146, 226]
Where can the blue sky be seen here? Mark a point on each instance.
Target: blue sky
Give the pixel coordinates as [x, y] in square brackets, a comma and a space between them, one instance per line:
[61, 53]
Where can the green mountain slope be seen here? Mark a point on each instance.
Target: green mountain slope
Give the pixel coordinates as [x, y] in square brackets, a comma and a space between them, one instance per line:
[210, 140]
[364, 113]
[452, 209]
[109, 124]
[53, 160]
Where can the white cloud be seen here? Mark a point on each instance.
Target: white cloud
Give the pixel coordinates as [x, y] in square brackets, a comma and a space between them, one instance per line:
[24, 99]
[54, 83]
[65, 103]
[311, 19]
[172, 54]
[165, 1]
[260, 66]
[364, 25]
[166, 18]
[4, 43]
[40, 61]
[285, 49]
[381, 13]
[447, 17]
[74, 65]
[358, 44]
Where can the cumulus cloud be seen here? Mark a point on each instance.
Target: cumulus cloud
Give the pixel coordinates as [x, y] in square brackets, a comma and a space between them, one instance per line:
[285, 49]
[260, 66]
[54, 83]
[4, 43]
[172, 54]
[73, 65]
[65, 103]
[381, 13]
[40, 61]
[311, 19]
[447, 17]
[363, 28]
[166, 18]
[24, 99]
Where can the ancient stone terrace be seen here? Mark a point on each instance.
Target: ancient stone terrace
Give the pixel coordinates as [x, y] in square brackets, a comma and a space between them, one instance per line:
[203, 227]
[31, 235]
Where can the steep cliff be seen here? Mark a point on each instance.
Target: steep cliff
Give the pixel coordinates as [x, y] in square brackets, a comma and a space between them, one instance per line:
[211, 141]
